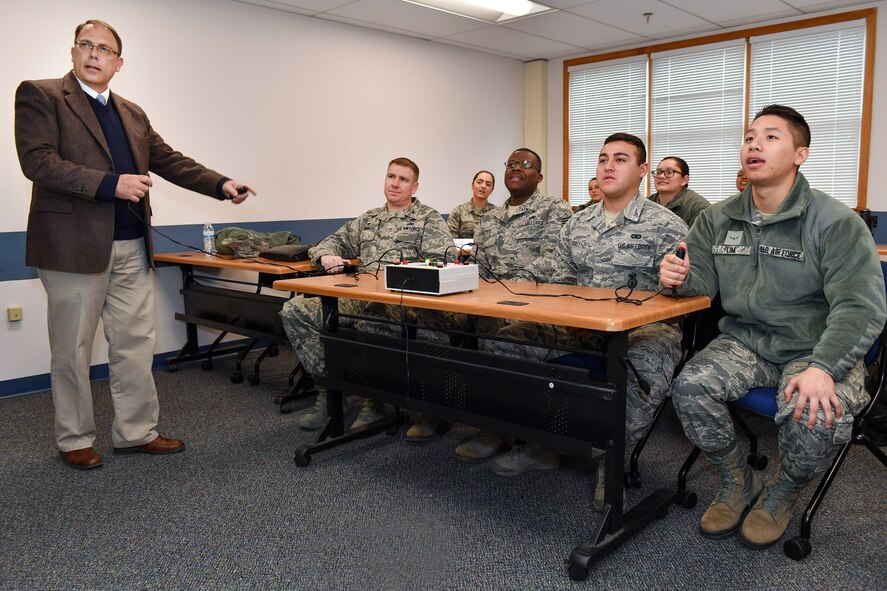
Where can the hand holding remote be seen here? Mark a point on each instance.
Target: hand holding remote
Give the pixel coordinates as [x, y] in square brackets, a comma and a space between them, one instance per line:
[681, 253]
[236, 191]
[673, 268]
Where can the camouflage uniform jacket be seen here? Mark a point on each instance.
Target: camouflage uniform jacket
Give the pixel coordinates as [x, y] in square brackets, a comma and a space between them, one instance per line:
[415, 233]
[520, 246]
[592, 254]
[687, 204]
[806, 281]
[464, 219]
[585, 205]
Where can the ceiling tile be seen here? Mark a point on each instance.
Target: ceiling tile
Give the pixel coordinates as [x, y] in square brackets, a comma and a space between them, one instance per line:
[396, 14]
[628, 15]
[728, 14]
[561, 4]
[299, 6]
[513, 42]
[575, 30]
[812, 5]
[376, 27]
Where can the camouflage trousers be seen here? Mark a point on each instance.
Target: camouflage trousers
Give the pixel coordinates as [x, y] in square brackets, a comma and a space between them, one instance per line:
[727, 369]
[653, 349]
[303, 323]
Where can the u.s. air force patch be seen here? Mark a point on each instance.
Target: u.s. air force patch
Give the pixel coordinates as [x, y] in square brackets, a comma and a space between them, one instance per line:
[782, 253]
[637, 246]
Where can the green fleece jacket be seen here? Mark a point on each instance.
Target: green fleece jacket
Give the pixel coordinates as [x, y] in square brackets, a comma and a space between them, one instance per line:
[807, 281]
[687, 204]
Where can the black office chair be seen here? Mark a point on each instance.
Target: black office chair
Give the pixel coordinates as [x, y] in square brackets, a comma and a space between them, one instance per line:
[762, 401]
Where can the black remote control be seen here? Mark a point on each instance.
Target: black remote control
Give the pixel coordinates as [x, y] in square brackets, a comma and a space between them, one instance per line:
[680, 253]
[240, 191]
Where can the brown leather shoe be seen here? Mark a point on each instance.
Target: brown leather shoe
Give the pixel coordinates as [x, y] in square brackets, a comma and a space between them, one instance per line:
[82, 459]
[161, 445]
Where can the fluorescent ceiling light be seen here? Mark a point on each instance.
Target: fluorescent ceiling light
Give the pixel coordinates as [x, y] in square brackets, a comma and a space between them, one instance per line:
[490, 11]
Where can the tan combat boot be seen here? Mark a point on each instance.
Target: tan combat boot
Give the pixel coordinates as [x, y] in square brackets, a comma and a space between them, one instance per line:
[767, 521]
[317, 416]
[739, 489]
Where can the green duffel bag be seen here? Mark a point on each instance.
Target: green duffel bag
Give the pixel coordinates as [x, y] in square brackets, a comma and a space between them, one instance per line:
[245, 244]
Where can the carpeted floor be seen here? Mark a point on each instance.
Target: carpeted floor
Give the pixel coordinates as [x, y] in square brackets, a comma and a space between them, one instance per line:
[234, 512]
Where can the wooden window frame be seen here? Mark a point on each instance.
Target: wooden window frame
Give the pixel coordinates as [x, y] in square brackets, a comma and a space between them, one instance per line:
[869, 15]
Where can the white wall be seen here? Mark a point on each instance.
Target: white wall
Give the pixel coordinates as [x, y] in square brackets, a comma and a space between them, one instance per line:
[876, 199]
[308, 111]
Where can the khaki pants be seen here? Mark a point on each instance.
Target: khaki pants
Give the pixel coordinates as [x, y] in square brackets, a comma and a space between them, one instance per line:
[122, 296]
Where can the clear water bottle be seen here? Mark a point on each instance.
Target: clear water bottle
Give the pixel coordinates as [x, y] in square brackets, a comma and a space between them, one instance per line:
[209, 238]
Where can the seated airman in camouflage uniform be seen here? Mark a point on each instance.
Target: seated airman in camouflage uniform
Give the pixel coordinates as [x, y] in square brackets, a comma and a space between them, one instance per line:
[513, 241]
[402, 229]
[594, 194]
[614, 243]
[465, 217]
[803, 293]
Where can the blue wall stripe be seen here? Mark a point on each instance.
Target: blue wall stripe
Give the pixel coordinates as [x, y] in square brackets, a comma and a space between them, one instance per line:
[12, 258]
[42, 382]
[12, 244]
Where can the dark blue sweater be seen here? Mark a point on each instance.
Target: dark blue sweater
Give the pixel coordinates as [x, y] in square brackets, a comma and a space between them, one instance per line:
[127, 226]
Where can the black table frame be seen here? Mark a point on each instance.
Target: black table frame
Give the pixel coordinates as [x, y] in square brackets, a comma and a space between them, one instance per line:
[252, 315]
[557, 406]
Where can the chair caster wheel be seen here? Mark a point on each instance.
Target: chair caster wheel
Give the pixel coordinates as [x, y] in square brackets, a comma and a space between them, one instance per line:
[236, 377]
[757, 461]
[207, 365]
[687, 500]
[172, 368]
[797, 548]
[302, 457]
[632, 480]
[273, 351]
[253, 379]
[577, 573]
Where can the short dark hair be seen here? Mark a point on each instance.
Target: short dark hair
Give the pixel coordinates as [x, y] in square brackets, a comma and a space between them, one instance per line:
[478, 173]
[404, 161]
[682, 164]
[100, 23]
[630, 139]
[797, 125]
[538, 157]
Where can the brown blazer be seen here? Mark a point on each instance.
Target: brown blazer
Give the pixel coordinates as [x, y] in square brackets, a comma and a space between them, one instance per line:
[63, 151]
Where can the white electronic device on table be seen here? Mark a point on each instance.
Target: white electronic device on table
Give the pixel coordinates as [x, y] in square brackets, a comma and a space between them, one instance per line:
[431, 278]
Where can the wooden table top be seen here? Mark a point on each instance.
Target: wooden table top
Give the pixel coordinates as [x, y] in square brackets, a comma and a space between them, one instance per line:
[226, 261]
[607, 316]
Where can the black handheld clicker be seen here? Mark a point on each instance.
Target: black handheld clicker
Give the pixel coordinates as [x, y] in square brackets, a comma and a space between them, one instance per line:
[681, 252]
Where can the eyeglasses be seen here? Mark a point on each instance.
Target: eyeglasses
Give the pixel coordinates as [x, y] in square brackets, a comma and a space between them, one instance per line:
[88, 46]
[667, 173]
[525, 164]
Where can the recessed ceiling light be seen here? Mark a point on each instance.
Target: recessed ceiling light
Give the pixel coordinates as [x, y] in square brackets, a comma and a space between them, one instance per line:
[490, 11]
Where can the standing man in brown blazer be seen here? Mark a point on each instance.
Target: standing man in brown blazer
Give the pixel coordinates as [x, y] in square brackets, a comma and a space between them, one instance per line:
[88, 153]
